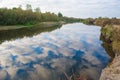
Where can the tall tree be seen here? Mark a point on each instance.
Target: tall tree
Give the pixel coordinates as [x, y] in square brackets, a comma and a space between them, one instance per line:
[60, 14]
[20, 6]
[28, 7]
[37, 9]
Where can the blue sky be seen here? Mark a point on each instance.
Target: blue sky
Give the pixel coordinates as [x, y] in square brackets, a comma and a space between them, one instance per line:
[73, 8]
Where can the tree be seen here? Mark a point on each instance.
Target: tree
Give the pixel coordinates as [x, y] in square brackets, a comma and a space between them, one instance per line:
[37, 9]
[18, 16]
[28, 7]
[20, 6]
[60, 14]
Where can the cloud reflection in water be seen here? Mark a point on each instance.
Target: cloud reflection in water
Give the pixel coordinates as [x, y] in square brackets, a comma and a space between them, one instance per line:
[73, 49]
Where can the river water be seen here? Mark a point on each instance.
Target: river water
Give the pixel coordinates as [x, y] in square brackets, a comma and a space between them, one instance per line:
[70, 52]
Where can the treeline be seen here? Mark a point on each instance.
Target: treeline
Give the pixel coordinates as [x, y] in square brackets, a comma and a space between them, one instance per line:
[101, 21]
[18, 16]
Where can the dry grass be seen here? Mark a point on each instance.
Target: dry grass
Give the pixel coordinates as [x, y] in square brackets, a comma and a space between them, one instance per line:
[112, 33]
[10, 27]
[116, 46]
[116, 33]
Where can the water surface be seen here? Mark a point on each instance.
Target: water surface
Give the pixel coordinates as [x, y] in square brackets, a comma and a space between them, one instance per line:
[72, 52]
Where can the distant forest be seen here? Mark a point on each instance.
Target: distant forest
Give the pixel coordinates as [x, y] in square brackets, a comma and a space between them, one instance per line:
[18, 16]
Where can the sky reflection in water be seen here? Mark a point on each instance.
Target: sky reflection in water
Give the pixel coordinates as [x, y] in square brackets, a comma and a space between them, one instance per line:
[75, 49]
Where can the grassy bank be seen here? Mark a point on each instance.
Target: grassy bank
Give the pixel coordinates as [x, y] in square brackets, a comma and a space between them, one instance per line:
[10, 27]
[41, 24]
[111, 35]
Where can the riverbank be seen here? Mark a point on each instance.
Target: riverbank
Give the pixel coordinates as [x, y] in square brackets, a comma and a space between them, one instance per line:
[10, 27]
[112, 71]
[41, 24]
[111, 35]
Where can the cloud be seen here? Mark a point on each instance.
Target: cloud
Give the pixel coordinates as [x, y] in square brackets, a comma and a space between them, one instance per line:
[61, 63]
[42, 72]
[3, 75]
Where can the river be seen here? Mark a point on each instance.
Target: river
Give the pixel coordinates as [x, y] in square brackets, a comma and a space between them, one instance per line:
[70, 52]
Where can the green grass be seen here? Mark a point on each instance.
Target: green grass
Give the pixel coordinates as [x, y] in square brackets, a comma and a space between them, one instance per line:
[26, 25]
[29, 25]
[108, 31]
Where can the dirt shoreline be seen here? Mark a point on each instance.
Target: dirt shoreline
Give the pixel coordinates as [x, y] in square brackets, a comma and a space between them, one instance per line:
[112, 71]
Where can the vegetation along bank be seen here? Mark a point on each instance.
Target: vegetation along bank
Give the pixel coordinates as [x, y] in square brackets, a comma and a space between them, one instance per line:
[16, 18]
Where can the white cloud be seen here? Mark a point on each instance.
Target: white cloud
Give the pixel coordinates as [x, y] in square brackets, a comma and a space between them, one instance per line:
[3, 75]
